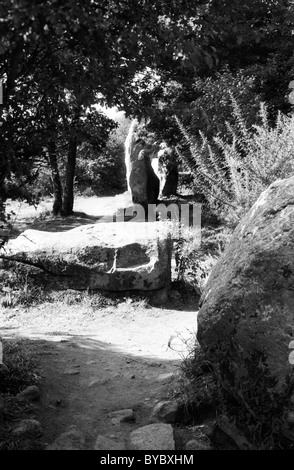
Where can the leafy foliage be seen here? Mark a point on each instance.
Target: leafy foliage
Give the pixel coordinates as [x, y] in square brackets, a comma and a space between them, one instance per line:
[103, 170]
[233, 173]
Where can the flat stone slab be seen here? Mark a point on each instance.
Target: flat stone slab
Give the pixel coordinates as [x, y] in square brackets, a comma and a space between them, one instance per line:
[118, 256]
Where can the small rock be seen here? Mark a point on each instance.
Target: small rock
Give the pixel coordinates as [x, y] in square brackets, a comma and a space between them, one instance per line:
[72, 439]
[196, 445]
[28, 428]
[60, 403]
[290, 418]
[4, 371]
[98, 382]
[231, 430]
[122, 416]
[107, 443]
[166, 412]
[31, 393]
[208, 429]
[165, 378]
[72, 372]
[153, 437]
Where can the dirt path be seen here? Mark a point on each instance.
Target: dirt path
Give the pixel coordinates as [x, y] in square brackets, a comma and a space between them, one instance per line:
[94, 362]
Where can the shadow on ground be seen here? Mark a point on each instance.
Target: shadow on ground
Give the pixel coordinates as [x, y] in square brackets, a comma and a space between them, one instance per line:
[82, 380]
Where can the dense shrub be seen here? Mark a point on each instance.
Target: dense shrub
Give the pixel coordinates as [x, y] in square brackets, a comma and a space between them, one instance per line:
[233, 172]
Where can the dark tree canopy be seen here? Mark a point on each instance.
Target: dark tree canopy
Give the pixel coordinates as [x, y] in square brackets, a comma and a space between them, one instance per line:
[58, 58]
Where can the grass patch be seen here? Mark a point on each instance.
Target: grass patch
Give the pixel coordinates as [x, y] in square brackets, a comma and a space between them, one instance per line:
[194, 262]
[198, 390]
[22, 366]
[17, 289]
[22, 372]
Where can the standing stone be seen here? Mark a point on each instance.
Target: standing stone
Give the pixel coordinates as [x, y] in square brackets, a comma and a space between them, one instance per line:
[143, 181]
[167, 171]
[153, 437]
[138, 176]
[245, 323]
[152, 181]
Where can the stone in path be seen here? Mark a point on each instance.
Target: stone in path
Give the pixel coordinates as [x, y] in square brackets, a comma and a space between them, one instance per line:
[31, 393]
[121, 416]
[72, 439]
[107, 443]
[166, 412]
[28, 428]
[157, 436]
[196, 445]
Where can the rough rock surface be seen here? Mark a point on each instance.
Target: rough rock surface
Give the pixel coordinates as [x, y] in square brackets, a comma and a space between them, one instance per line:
[168, 166]
[108, 443]
[245, 322]
[166, 412]
[195, 445]
[122, 416]
[31, 393]
[119, 256]
[143, 181]
[72, 439]
[28, 428]
[153, 437]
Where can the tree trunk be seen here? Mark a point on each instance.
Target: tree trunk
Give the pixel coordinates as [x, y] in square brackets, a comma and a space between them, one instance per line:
[68, 196]
[57, 188]
[2, 210]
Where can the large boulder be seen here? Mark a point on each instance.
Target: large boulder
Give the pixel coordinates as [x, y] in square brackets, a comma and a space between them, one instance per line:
[121, 256]
[143, 183]
[246, 319]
